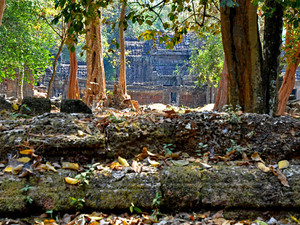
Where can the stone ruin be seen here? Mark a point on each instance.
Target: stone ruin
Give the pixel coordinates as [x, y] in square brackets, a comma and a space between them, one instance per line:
[150, 77]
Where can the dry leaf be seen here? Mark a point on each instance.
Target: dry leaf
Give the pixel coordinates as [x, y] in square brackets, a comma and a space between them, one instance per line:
[262, 167]
[135, 166]
[46, 166]
[71, 166]
[88, 130]
[80, 133]
[24, 159]
[283, 164]
[15, 107]
[123, 161]
[282, 178]
[17, 169]
[244, 156]
[70, 180]
[8, 169]
[204, 215]
[116, 166]
[221, 221]
[256, 157]
[26, 152]
[153, 162]
[218, 214]
[180, 162]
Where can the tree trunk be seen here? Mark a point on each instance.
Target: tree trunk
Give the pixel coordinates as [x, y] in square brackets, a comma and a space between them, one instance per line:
[55, 67]
[293, 61]
[95, 82]
[21, 85]
[271, 54]
[243, 56]
[2, 7]
[122, 75]
[221, 98]
[73, 89]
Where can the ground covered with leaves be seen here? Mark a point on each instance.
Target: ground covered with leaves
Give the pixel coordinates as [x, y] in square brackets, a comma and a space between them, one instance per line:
[113, 145]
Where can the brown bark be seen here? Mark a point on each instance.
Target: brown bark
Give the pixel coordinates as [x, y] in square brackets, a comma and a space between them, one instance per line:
[55, 67]
[73, 89]
[2, 7]
[221, 98]
[289, 76]
[95, 83]
[243, 56]
[122, 76]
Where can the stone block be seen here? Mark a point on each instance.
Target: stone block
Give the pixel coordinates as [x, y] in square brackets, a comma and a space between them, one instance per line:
[74, 106]
[32, 105]
[4, 104]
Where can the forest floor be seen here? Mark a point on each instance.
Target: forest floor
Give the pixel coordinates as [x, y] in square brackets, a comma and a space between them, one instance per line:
[134, 215]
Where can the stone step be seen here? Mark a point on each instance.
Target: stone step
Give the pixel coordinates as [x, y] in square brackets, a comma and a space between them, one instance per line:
[188, 188]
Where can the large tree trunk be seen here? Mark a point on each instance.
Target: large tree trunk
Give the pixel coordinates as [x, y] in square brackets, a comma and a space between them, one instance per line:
[73, 89]
[221, 98]
[95, 82]
[293, 61]
[271, 54]
[2, 7]
[55, 67]
[243, 56]
[122, 76]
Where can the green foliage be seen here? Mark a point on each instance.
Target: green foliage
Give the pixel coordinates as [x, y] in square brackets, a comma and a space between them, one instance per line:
[229, 3]
[168, 148]
[25, 189]
[201, 148]
[78, 203]
[133, 208]
[86, 175]
[235, 146]
[25, 40]
[233, 113]
[155, 205]
[115, 119]
[207, 60]
[50, 212]
[29, 200]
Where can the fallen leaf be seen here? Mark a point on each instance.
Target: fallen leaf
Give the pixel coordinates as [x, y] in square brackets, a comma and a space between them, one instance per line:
[185, 155]
[26, 152]
[283, 164]
[123, 161]
[70, 180]
[180, 162]
[259, 222]
[8, 169]
[205, 165]
[46, 167]
[282, 178]
[24, 159]
[221, 221]
[244, 156]
[71, 166]
[295, 219]
[80, 133]
[204, 215]
[153, 162]
[15, 107]
[116, 166]
[88, 130]
[17, 169]
[263, 167]
[135, 166]
[256, 157]
[218, 214]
